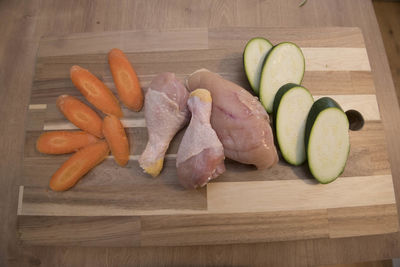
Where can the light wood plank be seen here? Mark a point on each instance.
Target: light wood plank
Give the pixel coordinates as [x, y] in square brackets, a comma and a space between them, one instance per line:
[299, 195]
[20, 200]
[134, 41]
[336, 59]
[367, 105]
[37, 106]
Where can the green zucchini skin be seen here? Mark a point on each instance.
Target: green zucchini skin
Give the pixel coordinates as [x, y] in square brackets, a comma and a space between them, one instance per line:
[319, 106]
[254, 87]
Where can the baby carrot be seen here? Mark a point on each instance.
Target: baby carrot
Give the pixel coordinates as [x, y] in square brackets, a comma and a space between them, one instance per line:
[78, 165]
[126, 80]
[63, 142]
[80, 114]
[115, 135]
[95, 91]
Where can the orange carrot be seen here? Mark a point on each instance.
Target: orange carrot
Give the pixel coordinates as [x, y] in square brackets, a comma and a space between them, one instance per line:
[115, 135]
[78, 165]
[95, 91]
[63, 142]
[80, 114]
[126, 80]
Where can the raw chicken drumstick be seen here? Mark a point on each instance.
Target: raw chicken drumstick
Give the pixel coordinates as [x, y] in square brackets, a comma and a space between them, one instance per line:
[201, 155]
[165, 111]
[239, 120]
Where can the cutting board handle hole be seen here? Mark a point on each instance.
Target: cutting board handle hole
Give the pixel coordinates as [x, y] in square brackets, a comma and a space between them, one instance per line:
[356, 120]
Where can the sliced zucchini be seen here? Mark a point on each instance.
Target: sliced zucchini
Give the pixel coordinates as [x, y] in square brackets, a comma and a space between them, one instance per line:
[283, 64]
[253, 58]
[291, 106]
[327, 140]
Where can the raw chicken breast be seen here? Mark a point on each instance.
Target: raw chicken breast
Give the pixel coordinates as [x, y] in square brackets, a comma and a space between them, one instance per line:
[166, 112]
[201, 155]
[239, 120]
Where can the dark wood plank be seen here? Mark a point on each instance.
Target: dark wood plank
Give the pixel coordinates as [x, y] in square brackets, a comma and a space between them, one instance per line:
[112, 200]
[232, 228]
[353, 221]
[79, 231]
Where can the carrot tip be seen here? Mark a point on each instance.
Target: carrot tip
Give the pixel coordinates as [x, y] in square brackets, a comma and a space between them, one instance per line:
[75, 68]
[115, 50]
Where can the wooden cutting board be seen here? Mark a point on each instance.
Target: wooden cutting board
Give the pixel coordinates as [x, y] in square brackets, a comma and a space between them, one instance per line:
[115, 206]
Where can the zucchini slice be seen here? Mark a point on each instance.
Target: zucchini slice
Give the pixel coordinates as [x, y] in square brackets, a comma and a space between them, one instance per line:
[283, 64]
[253, 58]
[327, 140]
[291, 106]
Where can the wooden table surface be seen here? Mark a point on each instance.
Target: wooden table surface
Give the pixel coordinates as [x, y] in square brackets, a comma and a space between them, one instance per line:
[22, 23]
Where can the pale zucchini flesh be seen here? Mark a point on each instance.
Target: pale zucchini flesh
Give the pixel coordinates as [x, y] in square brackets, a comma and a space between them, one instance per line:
[291, 106]
[327, 140]
[253, 58]
[283, 64]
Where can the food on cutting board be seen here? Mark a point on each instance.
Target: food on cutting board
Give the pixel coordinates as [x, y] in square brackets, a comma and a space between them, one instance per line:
[283, 64]
[239, 119]
[200, 156]
[64, 142]
[327, 140]
[78, 165]
[253, 58]
[81, 115]
[166, 112]
[291, 106]
[95, 91]
[226, 120]
[115, 135]
[126, 80]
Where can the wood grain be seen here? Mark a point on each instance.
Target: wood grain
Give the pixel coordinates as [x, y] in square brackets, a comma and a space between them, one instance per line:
[79, 231]
[299, 195]
[339, 59]
[138, 41]
[387, 13]
[316, 37]
[343, 221]
[25, 22]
